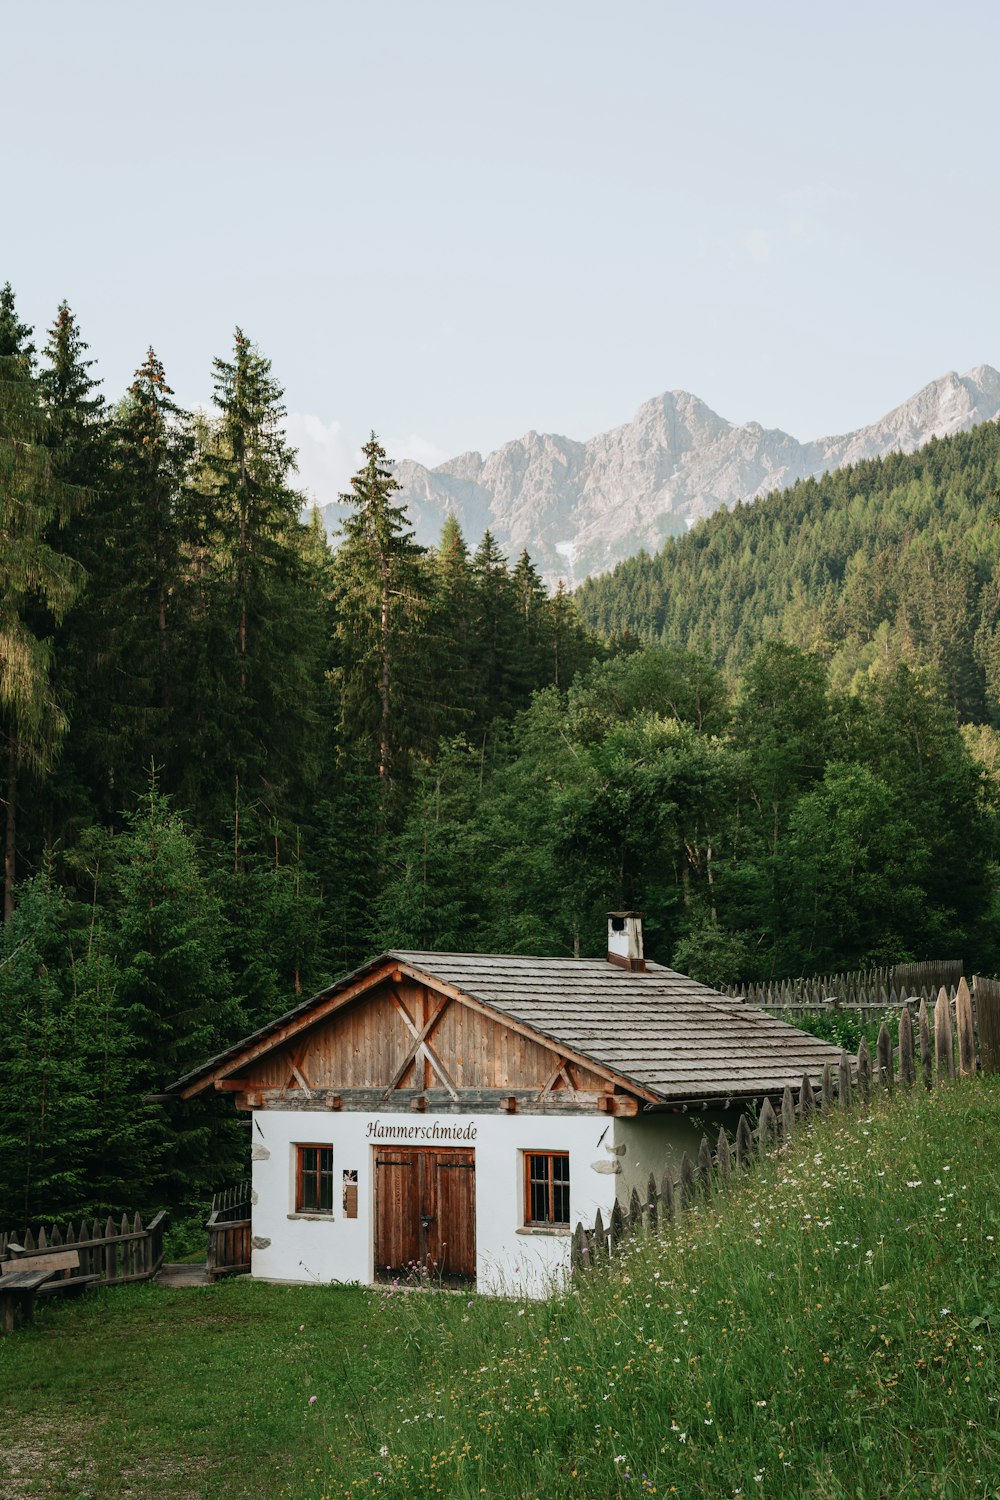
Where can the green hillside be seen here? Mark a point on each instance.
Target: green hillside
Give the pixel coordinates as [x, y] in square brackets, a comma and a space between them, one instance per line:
[893, 558]
[828, 1331]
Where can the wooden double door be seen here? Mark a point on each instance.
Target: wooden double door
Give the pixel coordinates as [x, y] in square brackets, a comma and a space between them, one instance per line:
[425, 1213]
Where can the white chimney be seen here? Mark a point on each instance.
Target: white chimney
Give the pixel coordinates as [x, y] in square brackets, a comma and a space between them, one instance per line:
[625, 940]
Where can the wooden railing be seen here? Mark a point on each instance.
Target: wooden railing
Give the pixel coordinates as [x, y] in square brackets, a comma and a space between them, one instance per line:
[229, 1232]
[864, 990]
[113, 1253]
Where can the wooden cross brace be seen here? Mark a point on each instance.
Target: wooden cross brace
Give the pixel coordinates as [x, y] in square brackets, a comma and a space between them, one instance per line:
[420, 1048]
[561, 1074]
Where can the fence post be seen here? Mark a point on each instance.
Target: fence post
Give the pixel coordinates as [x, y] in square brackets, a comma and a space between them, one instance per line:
[807, 1099]
[652, 1215]
[767, 1128]
[988, 1016]
[864, 1073]
[883, 1051]
[634, 1212]
[704, 1165]
[687, 1182]
[787, 1114]
[944, 1041]
[844, 1080]
[579, 1259]
[667, 1196]
[827, 1089]
[600, 1238]
[617, 1226]
[966, 1030]
[724, 1158]
[907, 1071]
[744, 1144]
[924, 1024]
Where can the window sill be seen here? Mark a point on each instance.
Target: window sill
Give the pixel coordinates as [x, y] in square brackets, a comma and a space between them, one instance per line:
[322, 1218]
[557, 1231]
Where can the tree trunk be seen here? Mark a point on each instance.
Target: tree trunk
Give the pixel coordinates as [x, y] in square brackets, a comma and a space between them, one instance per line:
[10, 836]
[383, 752]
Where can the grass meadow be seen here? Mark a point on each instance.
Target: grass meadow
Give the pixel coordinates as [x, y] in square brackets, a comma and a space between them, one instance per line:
[830, 1329]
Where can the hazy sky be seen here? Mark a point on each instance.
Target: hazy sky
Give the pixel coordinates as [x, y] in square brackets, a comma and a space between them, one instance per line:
[454, 222]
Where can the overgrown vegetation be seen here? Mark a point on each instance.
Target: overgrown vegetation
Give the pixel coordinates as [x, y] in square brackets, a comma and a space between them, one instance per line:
[828, 1329]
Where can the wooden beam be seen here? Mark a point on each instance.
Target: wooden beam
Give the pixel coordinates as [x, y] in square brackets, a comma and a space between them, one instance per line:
[435, 1101]
[420, 1049]
[299, 1077]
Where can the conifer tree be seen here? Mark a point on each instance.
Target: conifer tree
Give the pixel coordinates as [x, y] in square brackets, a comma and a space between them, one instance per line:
[38, 584]
[121, 653]
[255, 712]
[495, 631]
[72, 399]
[380, 596]
[451, 623]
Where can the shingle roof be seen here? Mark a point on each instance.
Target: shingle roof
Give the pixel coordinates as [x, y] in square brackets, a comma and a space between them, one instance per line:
[673, 1036]
[666, 1033]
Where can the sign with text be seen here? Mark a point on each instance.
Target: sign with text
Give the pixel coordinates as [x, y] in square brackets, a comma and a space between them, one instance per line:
[434, 1130]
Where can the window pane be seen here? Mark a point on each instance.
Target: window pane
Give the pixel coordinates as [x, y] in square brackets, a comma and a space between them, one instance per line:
[315, 1180]
[548, 1188]
[325, 1191]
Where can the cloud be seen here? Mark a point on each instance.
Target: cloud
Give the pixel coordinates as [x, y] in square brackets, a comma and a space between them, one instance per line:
[326, 458]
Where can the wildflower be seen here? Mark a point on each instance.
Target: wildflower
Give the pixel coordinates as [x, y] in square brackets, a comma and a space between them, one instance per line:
[302, 1327]
[619, 1458]
[761, 1403]
[383, 1452]
[945, 1311]
[312, 1400]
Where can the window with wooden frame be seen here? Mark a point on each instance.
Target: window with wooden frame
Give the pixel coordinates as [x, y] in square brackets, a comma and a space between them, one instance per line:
[313, 1179]
[546, 1188]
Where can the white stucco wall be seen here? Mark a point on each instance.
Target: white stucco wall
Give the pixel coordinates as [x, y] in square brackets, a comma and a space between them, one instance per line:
[338, 1249]
[652, 1143]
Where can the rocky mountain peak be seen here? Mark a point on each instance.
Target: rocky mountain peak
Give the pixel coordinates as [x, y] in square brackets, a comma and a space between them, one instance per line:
[580, 507]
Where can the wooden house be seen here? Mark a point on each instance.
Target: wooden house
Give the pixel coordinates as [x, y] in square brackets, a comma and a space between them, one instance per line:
[454, 1114]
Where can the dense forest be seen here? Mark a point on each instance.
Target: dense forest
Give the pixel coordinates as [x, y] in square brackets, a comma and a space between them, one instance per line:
[894, 559]
[236, 760]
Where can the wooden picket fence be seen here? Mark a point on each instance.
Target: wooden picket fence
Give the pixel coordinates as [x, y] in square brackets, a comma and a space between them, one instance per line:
[114, 1253]
[940, 1047]
[867, 991]
[229, 1232]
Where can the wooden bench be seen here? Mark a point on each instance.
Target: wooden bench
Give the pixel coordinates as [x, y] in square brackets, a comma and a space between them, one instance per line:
[27, 1276]
[19, 1287]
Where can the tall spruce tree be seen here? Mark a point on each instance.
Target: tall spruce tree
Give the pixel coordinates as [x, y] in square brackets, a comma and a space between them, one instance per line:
[253, 705]
[120, 653]
[380, 594]
[38, 583]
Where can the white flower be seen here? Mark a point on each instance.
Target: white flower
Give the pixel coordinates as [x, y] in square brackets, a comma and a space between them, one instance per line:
[383, 1452]
[620, 1458]
[945, 1311]
[761, 1403]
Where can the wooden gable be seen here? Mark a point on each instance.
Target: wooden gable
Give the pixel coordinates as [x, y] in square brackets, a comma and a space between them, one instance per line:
[402, 1036]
